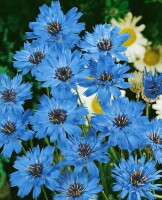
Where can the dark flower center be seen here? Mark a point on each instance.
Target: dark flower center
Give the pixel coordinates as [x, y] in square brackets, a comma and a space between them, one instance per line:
[9, 128]
[137, 179]
[8, 95]
[153, 89]
[104, 44]
[84, 150]
[121, 120]
[57, 116]
[35, 170]
[37, 57]
[155, 138]
[105, 76]
[63, 73]
[75, 190]
[53, 28]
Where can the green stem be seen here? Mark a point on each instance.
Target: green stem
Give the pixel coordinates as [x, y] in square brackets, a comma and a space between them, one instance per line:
[112, 151]
[103, 178]
[84, 132]
[122, 154]
[44, 192]
[105, 195]
[31, 143]
[23, 150]
[56, 153]
[47, 141]
[140, 153]
[137, 97]
[83, 105]
[48, 93]
[147, 109]
[158, 196]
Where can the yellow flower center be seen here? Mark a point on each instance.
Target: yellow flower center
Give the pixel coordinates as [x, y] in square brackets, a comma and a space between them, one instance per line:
[96, 106]
[132, 37]
[152, 57]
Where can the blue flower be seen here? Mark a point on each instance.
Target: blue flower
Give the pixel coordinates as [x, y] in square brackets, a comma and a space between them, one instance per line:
[13, 93]
[152, 85]
[55, 116]
[34, 170]
[135, 178]
[81, 151]
[77, 186]
[13, 129]
[123, 123]
[53, 26]
[106, 78]
[153, 138]
[30, 58]
[104, 40]
[62, 69]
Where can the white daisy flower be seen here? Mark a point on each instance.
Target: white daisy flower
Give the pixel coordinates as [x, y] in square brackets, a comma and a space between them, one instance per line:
[91, 102]
[152, 59]
[136, 43]
[158, 107]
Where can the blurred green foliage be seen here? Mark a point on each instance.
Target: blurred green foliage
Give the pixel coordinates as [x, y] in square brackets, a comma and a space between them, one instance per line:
[2, 171]
[16, 15]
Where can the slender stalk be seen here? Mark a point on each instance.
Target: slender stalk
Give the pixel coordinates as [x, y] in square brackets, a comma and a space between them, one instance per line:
[158, 196]
[23, 149]
[44, 192]
[31, 143]
[48, 93]
[84, 132]
[137, 97]
[122, 154]
[103, 178]
[56, 153]
[147, 109]
[112, 151]
[47, 141]
[105, 195]
[82, 105]
[140, 153]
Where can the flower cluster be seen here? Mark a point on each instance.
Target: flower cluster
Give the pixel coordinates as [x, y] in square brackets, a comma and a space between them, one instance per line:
[76, 149]
[135, 178]
[152, 85]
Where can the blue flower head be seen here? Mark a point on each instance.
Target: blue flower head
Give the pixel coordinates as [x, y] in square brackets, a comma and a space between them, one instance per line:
[56, 116]
[105, 39]
[62, 69]
[30, 58]
[81, 151]
[106, 78]
[123, 123]
[52, 25]
[13, 93]
[13, 129]
[152, 85]
[153, 138]
[33, 171]
[77, 186]
[134, 178]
